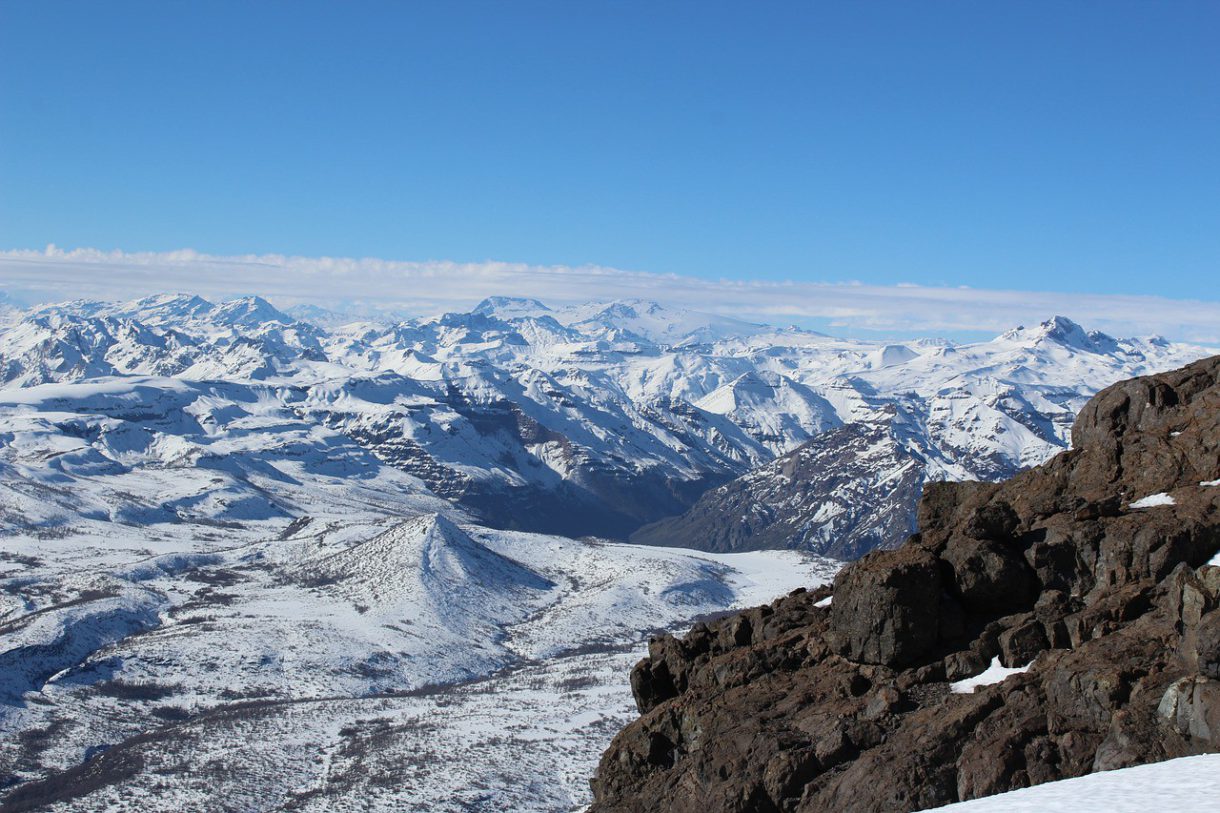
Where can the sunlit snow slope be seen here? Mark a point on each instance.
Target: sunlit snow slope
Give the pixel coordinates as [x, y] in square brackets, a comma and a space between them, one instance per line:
[1187, 785]
[409, 641]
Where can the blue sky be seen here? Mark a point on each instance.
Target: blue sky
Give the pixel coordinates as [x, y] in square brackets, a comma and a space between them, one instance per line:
[1032, 146]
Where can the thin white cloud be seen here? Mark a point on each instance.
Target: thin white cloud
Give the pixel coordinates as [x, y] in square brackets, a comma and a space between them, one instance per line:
[428, 287]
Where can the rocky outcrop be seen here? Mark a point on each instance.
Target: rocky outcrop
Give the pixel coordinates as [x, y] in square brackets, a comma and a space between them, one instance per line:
[844, 698]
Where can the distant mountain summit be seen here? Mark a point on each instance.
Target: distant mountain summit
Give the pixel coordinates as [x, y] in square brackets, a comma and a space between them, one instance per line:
[162, 309]
[252, 311]
[1063, 331]
[510, 307]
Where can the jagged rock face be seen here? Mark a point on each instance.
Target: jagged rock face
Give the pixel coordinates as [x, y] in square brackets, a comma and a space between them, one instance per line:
[1092, 570]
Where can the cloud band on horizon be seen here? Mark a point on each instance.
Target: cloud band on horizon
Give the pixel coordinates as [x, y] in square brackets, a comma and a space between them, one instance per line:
[419, 288]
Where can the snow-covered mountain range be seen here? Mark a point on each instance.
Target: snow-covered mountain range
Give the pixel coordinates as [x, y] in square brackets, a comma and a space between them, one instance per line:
[301, 565]
[586, 420]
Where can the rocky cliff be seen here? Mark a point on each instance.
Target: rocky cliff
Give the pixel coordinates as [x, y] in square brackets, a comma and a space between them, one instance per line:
[1087, 578]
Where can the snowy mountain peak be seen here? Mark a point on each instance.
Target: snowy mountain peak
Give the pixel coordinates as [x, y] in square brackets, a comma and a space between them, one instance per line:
[447, 549]
[1063, 331]
[250, 311]
[436, 535]
[892, 355]
[510, 307]
[631, 309]
[749, 387]
[429, 549]
[161, 308]
[431, 571]
[654, 322]
[322, 317]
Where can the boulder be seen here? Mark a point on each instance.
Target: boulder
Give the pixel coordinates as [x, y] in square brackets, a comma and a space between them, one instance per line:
[886, 607]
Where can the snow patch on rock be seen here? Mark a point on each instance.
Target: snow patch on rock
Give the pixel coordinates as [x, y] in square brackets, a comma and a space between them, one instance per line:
[1154, 501]
[992, 674]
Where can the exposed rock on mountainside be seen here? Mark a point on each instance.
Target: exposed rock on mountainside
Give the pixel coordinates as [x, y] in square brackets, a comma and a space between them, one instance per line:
[842, 494]
[1063, 622]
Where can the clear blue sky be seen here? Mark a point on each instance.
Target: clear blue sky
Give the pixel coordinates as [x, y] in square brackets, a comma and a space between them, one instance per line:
[1054, 146]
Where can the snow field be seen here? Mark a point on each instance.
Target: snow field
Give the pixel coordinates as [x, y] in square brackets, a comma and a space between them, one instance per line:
[1186, 785]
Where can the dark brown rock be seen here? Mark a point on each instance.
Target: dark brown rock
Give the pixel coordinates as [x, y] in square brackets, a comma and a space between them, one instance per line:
[995, 520]
[1207, 645]
[1021, 643]
[989, 576]
[886, 607]
[791, 707]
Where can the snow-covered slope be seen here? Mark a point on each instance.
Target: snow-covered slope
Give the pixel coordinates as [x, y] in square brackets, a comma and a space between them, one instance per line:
[285, 652]
[1186, 785]
[143, 452]
[591, 419]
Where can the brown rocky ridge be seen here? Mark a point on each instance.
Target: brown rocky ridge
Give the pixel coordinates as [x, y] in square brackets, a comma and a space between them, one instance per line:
[799, 706]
